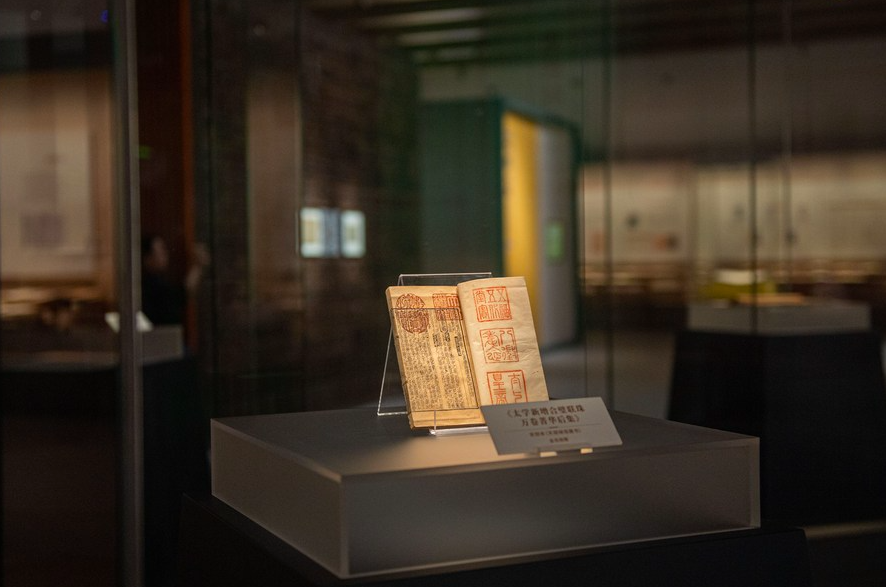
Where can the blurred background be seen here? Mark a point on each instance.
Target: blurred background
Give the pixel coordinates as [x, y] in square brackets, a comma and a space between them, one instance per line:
[655, 169]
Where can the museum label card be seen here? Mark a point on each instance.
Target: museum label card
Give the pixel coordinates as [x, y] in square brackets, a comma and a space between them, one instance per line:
[556, 425]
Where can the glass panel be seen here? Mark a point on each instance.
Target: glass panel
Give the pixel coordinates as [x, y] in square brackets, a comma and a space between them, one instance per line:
[502, 135]
[836, 200]
[679, 191]
[249, 207]
[453, 157]
[59, 357]
[171, 278]
[680, 147]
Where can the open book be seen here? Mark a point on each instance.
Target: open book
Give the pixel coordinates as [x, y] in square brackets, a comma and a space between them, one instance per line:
[463, 346]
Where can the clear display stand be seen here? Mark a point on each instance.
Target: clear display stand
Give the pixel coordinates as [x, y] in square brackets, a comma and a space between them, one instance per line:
[454, 430]
[391, 400]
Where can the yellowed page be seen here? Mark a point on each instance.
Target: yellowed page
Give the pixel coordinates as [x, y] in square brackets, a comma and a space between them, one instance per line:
[502, 339]
[435, 365]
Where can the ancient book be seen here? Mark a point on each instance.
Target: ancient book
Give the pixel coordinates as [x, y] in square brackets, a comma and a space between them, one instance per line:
[463, 346]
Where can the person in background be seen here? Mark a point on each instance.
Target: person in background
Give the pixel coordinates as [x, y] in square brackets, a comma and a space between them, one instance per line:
[164, 300]
[175, 432]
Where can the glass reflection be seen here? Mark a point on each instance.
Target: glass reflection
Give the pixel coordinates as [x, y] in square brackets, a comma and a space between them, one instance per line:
[59, 357]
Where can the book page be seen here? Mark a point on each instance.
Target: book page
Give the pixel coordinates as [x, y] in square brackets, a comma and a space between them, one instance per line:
[435, 364]
[501, 335]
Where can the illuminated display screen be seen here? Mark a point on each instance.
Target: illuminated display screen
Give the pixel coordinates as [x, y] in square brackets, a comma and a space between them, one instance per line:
[329, 233]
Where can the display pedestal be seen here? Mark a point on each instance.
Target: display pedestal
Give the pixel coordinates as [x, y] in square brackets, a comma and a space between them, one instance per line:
[810, 318]
[362, 495]
[816, 401]
[222, 548]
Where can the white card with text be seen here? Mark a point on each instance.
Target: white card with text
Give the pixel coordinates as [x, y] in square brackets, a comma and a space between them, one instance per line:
[556, 425]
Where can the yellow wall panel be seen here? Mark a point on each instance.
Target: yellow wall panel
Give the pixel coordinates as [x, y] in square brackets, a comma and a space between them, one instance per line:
[520, 205]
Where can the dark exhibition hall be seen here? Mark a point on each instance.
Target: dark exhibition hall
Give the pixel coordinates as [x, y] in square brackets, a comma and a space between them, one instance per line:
[443, 292]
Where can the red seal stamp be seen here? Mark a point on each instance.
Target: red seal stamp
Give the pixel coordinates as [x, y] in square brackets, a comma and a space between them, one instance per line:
[446, 307]
[412, 314]
[499, 345]
[507, 387]
[492, 303]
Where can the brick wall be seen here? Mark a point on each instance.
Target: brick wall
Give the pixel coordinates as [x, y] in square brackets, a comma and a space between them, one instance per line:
[298, 111]
[358, 115]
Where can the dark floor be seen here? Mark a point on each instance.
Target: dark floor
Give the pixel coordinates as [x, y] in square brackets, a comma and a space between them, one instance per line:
[850, 555]
[59, 501]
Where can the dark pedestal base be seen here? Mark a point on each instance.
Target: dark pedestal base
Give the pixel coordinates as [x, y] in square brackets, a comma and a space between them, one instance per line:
[221, 548]
[818, 404]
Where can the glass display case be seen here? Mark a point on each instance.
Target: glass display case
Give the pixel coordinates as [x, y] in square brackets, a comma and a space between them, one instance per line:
[651, 168]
